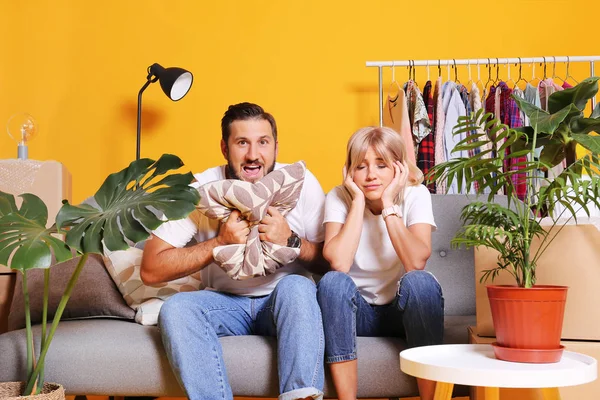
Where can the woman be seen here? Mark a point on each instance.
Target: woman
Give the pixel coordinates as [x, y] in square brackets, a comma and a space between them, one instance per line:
[378, 228]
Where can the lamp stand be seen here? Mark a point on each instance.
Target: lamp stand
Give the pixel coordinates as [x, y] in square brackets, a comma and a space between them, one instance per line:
[149, 80]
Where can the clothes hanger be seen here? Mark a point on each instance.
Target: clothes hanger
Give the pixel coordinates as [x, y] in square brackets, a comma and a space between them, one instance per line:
[508, 77]
[394, 82]
[456, 73]
[569, 76]
[479, 82]
[497, 80]
[520, 75]
[489, 81]
[545, 77]
[470, 81]
[439, 68]
[533, 76]
[428, 76]
[554, 76]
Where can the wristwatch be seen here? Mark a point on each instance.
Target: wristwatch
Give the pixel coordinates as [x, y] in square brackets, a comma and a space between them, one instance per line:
[393, 210]
[294, 241]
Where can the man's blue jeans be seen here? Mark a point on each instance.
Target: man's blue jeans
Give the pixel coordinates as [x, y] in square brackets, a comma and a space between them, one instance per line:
[192, 322]
[416, 314]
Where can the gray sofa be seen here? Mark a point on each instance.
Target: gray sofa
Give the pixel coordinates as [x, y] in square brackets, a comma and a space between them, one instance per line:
[122, 358]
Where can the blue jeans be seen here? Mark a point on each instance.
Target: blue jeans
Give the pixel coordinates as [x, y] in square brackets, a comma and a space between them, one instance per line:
[192, 322]
[416, 314]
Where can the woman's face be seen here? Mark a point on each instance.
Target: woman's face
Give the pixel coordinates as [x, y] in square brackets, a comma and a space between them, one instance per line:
[372, 175]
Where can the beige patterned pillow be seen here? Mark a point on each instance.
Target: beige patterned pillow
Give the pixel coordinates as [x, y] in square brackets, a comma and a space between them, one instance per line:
[124, 268]
[281, 189]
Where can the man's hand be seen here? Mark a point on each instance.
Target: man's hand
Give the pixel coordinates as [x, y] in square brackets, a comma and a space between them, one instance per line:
[234, 231]
[274, 228]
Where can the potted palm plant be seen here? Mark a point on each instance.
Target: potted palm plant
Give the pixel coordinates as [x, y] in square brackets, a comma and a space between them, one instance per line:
[527, 317]
[130, 204]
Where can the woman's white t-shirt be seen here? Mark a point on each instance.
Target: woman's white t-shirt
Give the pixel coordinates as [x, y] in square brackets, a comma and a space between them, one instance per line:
[377, 269]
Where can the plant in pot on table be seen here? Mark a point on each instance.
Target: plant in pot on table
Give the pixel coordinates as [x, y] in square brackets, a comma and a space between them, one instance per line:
[527, 317]
[130, 203]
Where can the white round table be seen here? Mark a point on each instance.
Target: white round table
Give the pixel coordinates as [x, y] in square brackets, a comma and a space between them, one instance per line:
[476, 365]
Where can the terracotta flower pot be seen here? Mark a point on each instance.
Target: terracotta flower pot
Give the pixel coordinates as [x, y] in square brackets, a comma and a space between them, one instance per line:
[528, 322]
[13, 390]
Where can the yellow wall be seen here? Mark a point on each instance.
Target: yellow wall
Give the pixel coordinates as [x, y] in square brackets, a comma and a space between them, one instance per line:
[76, 66]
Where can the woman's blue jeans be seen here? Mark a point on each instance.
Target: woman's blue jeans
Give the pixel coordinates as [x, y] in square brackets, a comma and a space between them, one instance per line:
[416, 314]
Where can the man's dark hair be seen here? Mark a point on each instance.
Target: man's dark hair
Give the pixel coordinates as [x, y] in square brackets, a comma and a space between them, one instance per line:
[245, 111]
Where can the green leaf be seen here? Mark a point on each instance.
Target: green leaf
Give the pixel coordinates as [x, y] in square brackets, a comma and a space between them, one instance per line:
[548, 123]
[128, 202]
[528, 108]
[25, 242]
[585, 125]
[553, 154]
[7, 203]
[577, 95]
[592, 143]
[596, 112]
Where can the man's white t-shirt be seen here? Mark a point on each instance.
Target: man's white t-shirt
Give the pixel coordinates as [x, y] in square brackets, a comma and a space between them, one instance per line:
[306, 219]
[377, 269]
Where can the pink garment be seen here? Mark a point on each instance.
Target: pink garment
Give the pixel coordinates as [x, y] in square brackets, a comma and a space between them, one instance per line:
[395, 116]
[440, 119]
[546, 88]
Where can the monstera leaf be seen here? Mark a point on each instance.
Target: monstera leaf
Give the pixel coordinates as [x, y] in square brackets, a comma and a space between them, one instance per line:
[129, 202]
[24, 237]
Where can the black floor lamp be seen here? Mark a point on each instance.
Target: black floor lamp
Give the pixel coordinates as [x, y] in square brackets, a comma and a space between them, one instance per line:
[174, 81]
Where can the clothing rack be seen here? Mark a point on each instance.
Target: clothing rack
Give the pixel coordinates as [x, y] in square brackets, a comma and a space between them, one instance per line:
[475, 61]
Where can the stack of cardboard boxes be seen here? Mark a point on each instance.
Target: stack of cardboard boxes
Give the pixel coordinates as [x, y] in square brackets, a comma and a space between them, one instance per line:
[50, 181]
[572, 260]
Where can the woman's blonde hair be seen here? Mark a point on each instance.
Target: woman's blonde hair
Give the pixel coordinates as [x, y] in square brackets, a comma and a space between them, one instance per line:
[388, 144]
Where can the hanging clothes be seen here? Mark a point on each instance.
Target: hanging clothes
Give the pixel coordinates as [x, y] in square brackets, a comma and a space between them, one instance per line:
[475, 101]
[512, 118]
[453, 109]
[417, 112]
[426, 151]
[395, 116]
[440, 120]
[546, 88]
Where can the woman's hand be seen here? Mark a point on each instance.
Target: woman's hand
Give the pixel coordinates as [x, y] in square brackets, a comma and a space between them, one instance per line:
[390, 194]
[352, 187]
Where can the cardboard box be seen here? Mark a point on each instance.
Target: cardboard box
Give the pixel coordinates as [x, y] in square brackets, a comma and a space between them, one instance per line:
[49, 180]
[582, 392]
[573, 260]
[7, 283]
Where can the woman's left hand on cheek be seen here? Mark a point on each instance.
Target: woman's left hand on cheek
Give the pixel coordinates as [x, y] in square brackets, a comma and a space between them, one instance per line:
[396, 185]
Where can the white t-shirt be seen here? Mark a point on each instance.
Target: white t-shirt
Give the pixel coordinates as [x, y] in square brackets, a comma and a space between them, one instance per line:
[305, 219]
[377, 269]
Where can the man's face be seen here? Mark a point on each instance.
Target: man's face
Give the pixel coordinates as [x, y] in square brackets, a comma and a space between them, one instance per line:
[251, 149]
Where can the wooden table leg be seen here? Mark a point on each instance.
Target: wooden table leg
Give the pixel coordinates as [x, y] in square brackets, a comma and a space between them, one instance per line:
[443, 391]
[491, 393]
[551, 394]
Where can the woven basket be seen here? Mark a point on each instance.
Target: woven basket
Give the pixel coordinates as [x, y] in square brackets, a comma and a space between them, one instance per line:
[13, 390]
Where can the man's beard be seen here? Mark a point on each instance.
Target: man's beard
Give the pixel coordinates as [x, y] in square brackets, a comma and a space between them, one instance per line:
[230, 172]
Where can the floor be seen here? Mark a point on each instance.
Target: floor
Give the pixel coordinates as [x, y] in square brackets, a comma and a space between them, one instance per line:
[235, 398]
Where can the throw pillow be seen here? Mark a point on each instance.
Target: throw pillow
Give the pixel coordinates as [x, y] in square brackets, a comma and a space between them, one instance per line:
[94, 295]
[124, 267]
[281, 189]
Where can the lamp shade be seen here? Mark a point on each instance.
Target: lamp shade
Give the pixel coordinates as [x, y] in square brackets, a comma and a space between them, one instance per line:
[174, 81]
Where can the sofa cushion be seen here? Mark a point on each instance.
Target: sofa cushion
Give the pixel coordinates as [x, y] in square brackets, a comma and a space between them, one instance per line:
[124, 268]
[94, 295]
[128, 359]
[454, 268]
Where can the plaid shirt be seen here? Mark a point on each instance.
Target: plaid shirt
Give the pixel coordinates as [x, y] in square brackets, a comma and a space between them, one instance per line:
[426, 153]
[511, 116]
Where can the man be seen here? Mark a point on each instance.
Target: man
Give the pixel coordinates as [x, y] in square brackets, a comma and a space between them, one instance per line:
[282, 304]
